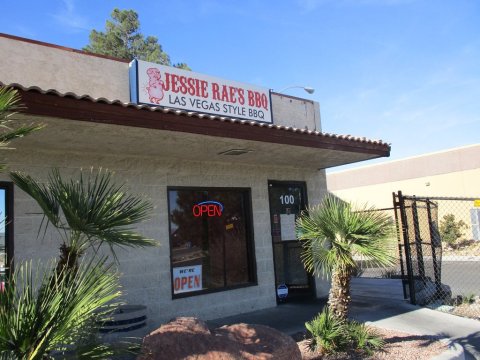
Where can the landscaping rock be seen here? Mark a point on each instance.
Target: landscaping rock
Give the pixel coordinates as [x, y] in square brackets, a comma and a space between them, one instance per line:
[190, 338]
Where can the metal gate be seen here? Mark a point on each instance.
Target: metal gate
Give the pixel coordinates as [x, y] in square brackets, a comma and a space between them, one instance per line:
[420, 248]
[430, 232]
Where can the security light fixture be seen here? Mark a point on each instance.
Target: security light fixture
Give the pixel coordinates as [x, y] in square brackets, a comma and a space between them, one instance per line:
[308, 89]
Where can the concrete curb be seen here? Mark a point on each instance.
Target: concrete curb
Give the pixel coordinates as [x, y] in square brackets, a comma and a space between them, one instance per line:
[455, 351]
[460, 258]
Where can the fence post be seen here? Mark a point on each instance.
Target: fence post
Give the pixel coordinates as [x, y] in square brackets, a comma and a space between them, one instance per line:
[396, 208]
[434, 237]
[418, 240]
[406, 244]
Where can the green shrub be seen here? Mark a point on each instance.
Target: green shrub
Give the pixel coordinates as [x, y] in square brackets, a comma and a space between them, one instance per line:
[327, 333]
[451, 230]
[364, 338]
[45, 314]
[468, 298]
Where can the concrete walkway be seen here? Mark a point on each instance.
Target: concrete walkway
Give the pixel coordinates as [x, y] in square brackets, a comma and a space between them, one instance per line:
[378, 301]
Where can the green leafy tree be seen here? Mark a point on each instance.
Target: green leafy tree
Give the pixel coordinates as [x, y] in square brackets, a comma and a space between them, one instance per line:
[332, 234]
[88, 212]
[123, 40]
[9, 106]
[451, 230]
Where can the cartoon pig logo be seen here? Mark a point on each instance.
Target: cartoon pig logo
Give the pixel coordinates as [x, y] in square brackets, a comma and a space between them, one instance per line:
[155, 85]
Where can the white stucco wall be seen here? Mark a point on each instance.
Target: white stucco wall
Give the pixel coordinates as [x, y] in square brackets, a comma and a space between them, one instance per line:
[146, 272]
[455, 184]
[57, 68]
[453, 173]
[296, 112]
[65, 70]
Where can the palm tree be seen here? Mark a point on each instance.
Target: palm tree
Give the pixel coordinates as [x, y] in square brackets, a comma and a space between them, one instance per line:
[88, 212]
[45, 317]
[332, 234]
[57, 316]
[9, 106]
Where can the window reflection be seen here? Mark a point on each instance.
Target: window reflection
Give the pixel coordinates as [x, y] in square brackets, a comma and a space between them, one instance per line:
[3, 248]
[209, 239]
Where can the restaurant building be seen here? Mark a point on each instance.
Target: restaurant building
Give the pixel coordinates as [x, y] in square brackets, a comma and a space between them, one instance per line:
[228, 167]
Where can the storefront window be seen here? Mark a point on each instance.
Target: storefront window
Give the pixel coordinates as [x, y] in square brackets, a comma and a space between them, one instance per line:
[6, 231]
[210, 239]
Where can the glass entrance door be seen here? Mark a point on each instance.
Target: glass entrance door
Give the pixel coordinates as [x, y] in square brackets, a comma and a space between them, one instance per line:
[287, 200]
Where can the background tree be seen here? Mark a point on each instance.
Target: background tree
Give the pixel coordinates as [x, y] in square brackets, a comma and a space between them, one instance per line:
[332, 234]
[452, 230]
[123, 40]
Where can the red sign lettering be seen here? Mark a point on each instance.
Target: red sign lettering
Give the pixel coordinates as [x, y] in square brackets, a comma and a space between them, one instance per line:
[257, 100]
[186, 282]
[208, 208]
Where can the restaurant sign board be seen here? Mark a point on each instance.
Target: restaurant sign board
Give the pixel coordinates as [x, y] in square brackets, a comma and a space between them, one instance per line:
[170, 87]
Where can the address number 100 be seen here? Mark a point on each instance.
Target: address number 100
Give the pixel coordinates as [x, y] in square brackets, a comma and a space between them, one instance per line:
[287, 199]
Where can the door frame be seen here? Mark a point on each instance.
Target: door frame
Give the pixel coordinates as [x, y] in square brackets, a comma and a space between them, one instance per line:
[311, 280]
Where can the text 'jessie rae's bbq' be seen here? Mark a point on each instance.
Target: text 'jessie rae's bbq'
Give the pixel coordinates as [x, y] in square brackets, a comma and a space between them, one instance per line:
[171, 87]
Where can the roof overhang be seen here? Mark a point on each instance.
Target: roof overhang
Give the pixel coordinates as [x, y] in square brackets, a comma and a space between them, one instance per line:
[80, 123]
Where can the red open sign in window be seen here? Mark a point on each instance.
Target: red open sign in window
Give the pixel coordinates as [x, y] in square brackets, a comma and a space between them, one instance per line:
[208, 208]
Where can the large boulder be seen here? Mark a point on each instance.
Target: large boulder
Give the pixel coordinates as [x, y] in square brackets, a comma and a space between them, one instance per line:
[190, 338]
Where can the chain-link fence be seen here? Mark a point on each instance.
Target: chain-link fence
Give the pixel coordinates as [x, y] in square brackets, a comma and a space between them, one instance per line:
[440, 243]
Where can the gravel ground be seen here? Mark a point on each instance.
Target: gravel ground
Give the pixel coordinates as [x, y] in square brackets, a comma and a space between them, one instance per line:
[471, 311]
[471, 249]
[400, 346]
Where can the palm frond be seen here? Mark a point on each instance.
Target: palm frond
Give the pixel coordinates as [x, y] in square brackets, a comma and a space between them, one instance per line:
[328, 333]
[9, 102]
[92, 206]
[100, 209]
[18, 132]
[9, 106]
[41, 314]
[333, 232]
[40, 193]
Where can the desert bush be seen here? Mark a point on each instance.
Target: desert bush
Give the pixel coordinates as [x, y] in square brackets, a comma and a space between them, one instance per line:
[451, 230]
[329, 335]
[46, 315]
[468, 298]
[364, 338]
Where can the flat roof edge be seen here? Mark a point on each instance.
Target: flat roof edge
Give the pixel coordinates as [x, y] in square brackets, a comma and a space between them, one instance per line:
[60, 47]
[51, 103]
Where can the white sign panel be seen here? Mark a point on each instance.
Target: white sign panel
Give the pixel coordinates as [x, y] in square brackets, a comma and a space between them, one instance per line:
[187, 279]
[287, 226]
[168, 86]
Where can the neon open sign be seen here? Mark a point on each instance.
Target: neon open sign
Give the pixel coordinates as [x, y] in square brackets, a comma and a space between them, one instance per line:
[208, 208]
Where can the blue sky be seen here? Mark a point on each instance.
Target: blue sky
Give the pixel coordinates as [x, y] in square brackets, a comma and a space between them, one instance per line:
[404, 71]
